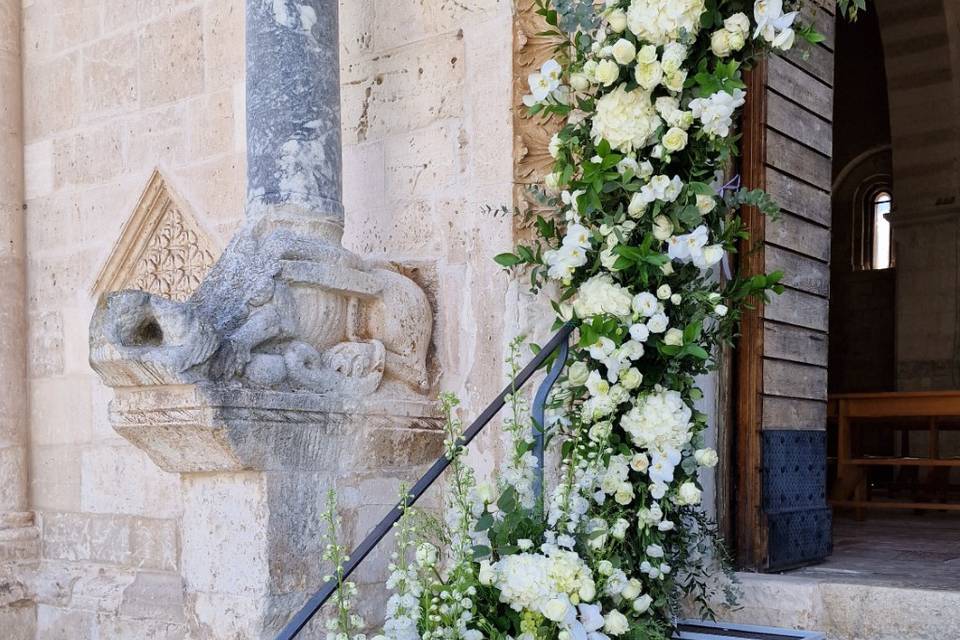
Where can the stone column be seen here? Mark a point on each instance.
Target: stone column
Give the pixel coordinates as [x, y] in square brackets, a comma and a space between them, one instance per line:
[294, 158]
[13, 326]
[18, 536]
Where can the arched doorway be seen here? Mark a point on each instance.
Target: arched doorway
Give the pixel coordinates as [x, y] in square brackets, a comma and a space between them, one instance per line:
[894, 324]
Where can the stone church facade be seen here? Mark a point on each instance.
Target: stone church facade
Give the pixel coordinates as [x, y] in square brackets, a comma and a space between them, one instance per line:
[143, 496]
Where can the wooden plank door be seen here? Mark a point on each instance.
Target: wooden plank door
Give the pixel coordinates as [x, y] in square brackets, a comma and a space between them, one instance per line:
[782, 518]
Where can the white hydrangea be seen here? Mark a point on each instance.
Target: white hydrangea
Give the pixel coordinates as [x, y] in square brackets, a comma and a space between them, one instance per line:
[659, 421]
[536, 581]
[625, 119]
[716, 111]
[663, 21]
[600, 295]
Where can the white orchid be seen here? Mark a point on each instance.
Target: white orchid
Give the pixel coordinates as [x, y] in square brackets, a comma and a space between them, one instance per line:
[772, 21]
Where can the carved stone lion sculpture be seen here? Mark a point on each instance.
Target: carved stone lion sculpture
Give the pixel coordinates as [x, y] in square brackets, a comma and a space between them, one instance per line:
[280, 310]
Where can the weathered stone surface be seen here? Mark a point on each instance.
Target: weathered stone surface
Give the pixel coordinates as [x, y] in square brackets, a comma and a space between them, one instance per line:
[293, 106]
[171, 58]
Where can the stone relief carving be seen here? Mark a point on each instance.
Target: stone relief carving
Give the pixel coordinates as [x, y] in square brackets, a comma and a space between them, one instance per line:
[532, 160]
[280, 310]
[162, 249]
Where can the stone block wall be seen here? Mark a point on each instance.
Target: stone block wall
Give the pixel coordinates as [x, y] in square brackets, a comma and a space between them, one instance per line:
[116, 88]
[112, 90]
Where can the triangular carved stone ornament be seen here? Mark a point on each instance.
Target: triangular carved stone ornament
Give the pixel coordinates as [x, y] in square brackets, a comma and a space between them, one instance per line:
[162, 249]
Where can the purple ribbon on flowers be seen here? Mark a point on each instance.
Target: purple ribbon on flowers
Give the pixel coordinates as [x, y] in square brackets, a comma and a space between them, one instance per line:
[732, 185]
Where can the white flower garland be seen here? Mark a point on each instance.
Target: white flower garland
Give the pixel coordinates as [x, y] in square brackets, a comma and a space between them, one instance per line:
[647, 93]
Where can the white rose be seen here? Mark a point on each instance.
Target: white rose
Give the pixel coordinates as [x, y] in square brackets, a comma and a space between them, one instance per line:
[637, 205]
[706, 457]
[588, 591]
[633, 590]
[737, 23]
[705, 204]
[688, 494]
[662, 228]
[661, 21]
[675, 139]
[628, 164]
[615, 623]
[605, 567]
[647, 54]
[645, 304]
[640, 463]
[664, 291]
[624, 51]
[624, 494]
[617, 19]
[631, 379]
[555, 610]
[590, 70]
[674, 338]
[654, 551]
[619, 529]
[658, 323]
[721, 310]
[642, 604]
[579, 82]
[578, 374]
[600, 431]
[674, 81]
[607, 72]
[639, 332]
[720, 43]
[649, 75]
[676, 298]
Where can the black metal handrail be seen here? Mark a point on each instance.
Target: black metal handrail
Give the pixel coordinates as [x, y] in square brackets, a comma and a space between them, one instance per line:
[560, 344]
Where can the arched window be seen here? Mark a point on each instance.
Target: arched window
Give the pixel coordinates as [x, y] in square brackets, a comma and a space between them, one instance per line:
[882, 205]
[872, 245]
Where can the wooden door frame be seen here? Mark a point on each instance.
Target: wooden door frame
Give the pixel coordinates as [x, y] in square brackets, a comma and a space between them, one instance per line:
[746, 506]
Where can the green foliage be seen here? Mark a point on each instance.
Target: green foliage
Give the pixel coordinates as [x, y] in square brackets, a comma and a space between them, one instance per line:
[851, 8]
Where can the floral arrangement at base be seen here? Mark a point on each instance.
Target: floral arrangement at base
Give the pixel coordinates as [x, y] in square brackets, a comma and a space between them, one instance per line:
[647, 93]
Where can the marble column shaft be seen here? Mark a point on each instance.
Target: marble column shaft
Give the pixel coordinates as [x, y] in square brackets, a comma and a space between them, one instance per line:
[294, 157]
[13, 325]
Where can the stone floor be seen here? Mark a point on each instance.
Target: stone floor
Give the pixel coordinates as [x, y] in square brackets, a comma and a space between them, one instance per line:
[895, 549]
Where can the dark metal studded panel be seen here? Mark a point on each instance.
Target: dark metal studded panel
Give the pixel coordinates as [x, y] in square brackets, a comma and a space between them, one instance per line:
[795, 498]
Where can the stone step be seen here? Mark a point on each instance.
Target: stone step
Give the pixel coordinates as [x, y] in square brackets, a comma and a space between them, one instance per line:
[844, 609]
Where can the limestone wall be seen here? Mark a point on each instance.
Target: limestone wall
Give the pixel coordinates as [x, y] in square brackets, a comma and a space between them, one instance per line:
[114, 89]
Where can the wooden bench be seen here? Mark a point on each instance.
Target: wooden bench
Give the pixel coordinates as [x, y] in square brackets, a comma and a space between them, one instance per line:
[933, 406]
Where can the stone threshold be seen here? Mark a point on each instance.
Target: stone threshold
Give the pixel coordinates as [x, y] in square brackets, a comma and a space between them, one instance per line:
[845, 608]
